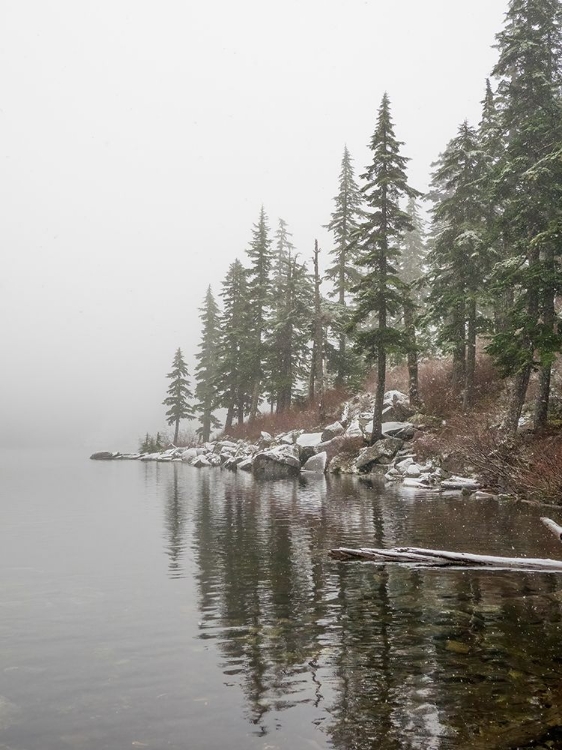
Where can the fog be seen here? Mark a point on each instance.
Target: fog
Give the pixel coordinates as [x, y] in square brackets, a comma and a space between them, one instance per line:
[138, 143]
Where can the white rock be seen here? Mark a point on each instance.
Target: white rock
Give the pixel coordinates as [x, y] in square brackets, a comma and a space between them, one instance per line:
[201, 461]
[402, 466]
[246, 464]
[459, 483]
[413, 471]
[189, 454]
[391, 396]
[421, 483]
[354, 430]
[317, 463]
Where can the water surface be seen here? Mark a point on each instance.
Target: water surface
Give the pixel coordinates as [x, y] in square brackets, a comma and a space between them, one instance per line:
[162, 606]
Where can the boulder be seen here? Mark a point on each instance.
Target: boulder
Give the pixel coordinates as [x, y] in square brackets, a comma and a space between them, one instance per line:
[201, 461]
[382, 452]
[459, 483]
[275, 465]
[317, 463]
[421, 483]
[332, 431]
[354, 429]
[189, 455]
[402, 430]
[103, 456]
[413, 471]
[246, 464]
[402, 466]
[343, 463]
[307, 452]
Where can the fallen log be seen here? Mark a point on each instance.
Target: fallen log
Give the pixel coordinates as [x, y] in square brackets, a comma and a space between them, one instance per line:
[419, 556]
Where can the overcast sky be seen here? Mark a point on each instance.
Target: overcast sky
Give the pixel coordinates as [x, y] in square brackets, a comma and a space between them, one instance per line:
[138, 141]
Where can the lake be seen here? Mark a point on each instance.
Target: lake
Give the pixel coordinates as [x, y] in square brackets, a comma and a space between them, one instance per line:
[151, 605]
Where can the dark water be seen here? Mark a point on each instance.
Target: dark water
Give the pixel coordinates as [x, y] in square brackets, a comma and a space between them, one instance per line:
[161, 606]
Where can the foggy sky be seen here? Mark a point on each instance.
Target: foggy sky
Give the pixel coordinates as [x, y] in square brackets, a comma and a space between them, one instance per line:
[139, 140]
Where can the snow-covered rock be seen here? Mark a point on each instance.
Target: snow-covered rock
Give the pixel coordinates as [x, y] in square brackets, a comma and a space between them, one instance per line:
[200, 462]
[403, 430]
[459, 483]
[246, 464]
[413, 471]
[189, 454]
[275, 464]
[354, 430]
[317, 463]
[380, 453]
[332, 431]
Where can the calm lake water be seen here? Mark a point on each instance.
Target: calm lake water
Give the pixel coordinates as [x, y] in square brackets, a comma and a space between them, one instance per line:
[148, 605]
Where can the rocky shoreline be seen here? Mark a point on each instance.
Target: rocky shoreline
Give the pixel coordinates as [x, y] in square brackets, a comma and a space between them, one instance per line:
[338, 448]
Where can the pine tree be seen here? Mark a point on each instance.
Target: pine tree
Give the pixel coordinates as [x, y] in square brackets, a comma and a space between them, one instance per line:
[234, 347]
[527, 179]
[206, 370]
[343, 272]
[460, 259]
[411, 272]
[380, 235]
[259, 299]
[287, 344]
[178, 394]
[284, 250]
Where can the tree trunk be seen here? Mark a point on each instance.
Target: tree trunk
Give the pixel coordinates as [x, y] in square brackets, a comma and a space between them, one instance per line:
[468, 397]
[379, 395]
[229, 418]
[412, 354]
[177, 432]
[316, 384]
[548, 319]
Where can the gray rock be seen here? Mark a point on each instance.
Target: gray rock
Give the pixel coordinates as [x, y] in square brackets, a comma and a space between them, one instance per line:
[413, 471]
[354, 429]
[275, 465]
[332, 431]
[402, 466]
[246, 464]
[343, 463]
[103, 456]
[379, 453]
[317, 463]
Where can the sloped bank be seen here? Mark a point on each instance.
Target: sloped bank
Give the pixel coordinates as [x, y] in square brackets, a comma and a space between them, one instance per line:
[337, 448]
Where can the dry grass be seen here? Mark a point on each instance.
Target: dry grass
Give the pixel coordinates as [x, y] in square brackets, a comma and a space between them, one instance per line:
[302, 417]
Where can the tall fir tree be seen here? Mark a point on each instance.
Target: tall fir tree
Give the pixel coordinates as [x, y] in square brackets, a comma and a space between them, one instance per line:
[380, 236]
[234, 347]
[287, 343]
[411, 272]
[283, 251]
[460, 260]
[206, 371]
[178, 394]
[259, 300]
[527, 179]
[343, 271]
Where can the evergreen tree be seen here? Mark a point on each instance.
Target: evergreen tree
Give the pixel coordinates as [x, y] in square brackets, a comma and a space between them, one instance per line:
[380, 236]
[284, 250]
[527, 179]
[343, 271]
[459, 261]
[178, 394]
[259, 299]
[287, 344]
[411, 272]
[206, 370]
[234, 343]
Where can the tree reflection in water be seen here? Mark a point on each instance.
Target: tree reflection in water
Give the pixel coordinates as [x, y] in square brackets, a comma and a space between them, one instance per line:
[381, 656]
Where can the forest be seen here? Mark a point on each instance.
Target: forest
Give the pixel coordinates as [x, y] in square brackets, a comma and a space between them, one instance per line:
[470, 269]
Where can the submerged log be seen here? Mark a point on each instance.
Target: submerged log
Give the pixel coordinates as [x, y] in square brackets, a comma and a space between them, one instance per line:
[443, 558]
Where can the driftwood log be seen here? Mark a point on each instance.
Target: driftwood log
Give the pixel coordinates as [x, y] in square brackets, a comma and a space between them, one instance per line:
[442, 558]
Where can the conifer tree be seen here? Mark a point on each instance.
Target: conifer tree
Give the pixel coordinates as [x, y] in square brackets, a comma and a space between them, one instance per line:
[206, 370]
[283, 251]
[288, 340]
[343, 272]
[234, 342]
[411, 272]
[178, 394]
[460, 259]
[527, 179]
[380, 236]
[259, 299]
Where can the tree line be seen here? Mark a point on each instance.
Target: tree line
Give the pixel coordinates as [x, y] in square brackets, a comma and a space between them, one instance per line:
[486, 267]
